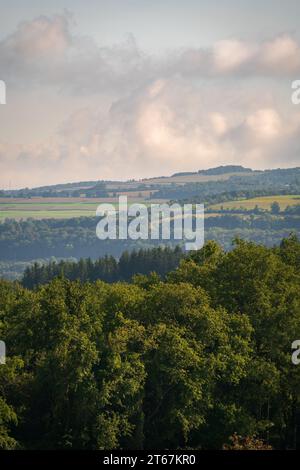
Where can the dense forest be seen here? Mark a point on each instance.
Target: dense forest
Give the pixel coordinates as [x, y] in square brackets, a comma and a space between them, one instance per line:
[161, 260]
[183, 362]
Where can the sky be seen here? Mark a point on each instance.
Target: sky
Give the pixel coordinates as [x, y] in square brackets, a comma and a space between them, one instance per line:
[125, 89]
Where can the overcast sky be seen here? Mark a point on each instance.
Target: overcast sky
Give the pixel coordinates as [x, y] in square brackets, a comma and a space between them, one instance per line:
[123, 89]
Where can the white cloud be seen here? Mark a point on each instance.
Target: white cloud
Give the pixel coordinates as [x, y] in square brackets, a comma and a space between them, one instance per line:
[281, 55]
[265, 124]
[230, 55]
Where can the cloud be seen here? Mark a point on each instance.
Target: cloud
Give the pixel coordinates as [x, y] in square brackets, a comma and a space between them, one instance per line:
[169, 125]
[38, 39]
[190, 109]
[47, 51]
[277, 57]
[265, 124]
[232, 55]
[281, 55]
[35, 49]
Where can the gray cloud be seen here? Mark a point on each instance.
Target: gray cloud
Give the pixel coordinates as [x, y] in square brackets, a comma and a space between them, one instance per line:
[47, 51]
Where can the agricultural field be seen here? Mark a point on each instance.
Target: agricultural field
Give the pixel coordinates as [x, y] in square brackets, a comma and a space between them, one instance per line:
[262, 202]
[43, 208]
[57, 208]
[61, 208]
[194, 178]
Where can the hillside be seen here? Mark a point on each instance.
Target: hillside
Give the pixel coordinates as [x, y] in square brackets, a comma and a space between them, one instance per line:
[213, 174]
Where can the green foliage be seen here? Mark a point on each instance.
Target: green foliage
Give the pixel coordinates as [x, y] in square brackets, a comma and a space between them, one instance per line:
[160, 259]
[189, 360]
[10, 382]
[275, 208]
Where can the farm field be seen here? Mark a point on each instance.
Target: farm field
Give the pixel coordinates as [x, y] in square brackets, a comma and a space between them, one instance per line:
[194, 178]
[167, 181]
[68, 207]
[61, 208]
[57, 208]
[132, 187]
[262, 202]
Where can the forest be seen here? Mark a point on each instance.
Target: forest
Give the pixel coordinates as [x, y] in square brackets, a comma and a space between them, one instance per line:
[29, 239]
[197, 359]
[161, 260]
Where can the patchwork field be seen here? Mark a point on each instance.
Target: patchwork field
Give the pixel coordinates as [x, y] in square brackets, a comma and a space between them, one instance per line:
[262, 202]
[66, 208]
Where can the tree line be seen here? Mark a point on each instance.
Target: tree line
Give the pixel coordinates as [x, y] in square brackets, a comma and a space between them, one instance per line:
[109, 269]
[26, 240]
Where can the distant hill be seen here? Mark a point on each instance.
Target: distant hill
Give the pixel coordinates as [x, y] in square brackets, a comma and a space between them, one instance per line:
[185, 173]
[163, 187]
[219, 170]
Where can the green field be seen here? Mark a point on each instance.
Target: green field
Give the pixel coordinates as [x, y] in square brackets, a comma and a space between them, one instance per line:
[54, 214]
[66, 209]
[38, 209]
[262, 202]
[45, 210]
